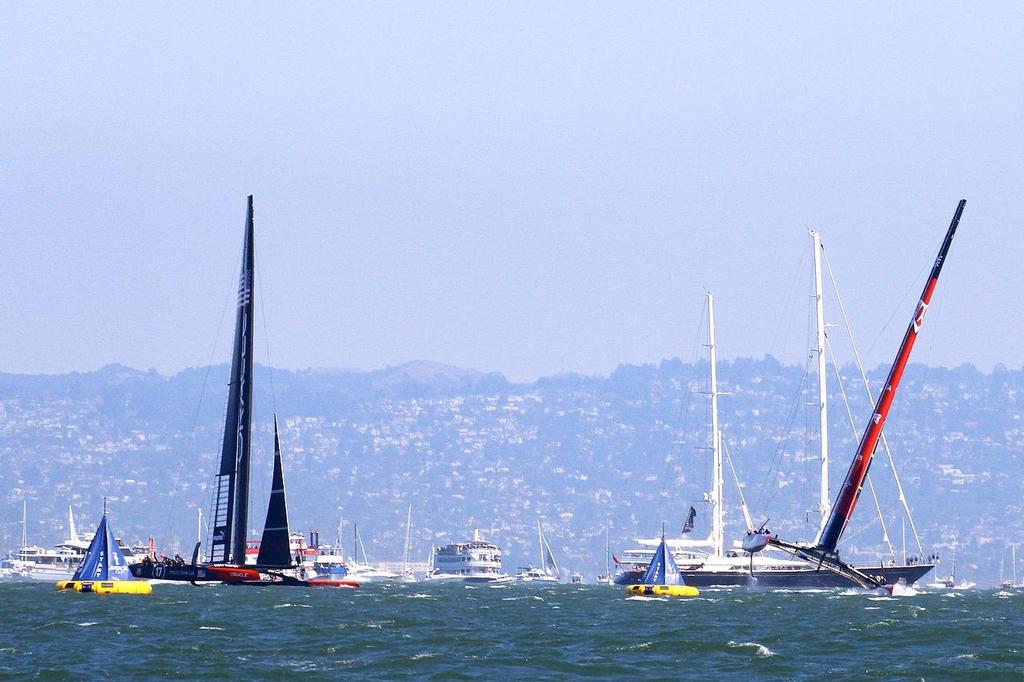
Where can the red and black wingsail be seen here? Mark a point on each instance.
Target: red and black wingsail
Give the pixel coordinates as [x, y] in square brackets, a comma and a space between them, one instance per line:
[842, 510]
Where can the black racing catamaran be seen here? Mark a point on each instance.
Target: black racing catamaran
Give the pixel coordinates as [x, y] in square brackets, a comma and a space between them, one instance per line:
[226, 556]
[824, 552]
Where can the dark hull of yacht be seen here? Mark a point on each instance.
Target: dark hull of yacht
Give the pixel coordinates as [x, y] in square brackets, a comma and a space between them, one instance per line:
[797, 578]
[191, 573]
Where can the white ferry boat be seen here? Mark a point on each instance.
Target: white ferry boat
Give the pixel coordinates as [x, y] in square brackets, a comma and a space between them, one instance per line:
[475, 561]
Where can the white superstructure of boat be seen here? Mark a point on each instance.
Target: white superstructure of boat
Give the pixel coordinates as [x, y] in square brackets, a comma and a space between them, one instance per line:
[474, 561]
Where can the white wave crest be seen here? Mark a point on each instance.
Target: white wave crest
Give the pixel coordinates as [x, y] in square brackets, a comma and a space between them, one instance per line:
[901, 590]
[761, 649]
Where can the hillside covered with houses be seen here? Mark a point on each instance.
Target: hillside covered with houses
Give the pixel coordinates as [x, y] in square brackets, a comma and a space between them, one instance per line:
[471, 450]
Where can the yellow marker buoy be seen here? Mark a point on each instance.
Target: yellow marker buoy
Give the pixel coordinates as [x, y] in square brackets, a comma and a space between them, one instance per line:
[106, 586]
[663, 578]
[663, 590]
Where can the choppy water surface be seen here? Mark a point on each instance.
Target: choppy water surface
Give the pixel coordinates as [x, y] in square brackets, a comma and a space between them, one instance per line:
[520, 631]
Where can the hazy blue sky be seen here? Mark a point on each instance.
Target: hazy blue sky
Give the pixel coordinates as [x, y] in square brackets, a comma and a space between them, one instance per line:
[522, 187]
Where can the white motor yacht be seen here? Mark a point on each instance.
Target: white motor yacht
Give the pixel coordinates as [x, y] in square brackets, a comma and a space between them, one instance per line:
[475, 561]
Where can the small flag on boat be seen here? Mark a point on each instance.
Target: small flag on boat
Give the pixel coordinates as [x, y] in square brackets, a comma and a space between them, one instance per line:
[688, 525]
[244, 288]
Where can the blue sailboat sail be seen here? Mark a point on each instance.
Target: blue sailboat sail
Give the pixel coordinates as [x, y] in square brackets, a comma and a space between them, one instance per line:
[663, 569]
[103, 560]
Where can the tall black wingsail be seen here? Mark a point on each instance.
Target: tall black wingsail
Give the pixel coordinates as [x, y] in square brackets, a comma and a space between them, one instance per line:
[230, 512]
[274, 550]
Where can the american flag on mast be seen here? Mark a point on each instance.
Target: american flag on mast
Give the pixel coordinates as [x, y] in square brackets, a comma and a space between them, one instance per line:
[688, 524]
[244, 288]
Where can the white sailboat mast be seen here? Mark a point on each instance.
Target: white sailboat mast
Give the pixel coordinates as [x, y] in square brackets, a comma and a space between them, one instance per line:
[72, 533]
[608, 554]
[824, 505]
[359, 546]
[717, 509]
[1013, 558]
[540, 543]
[408, 530]
[337, 537]
[903, 526]
[24, 523]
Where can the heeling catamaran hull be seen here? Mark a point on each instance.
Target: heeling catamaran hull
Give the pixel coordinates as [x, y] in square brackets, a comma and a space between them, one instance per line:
[229, 574]
[190, 573]
[797, 578]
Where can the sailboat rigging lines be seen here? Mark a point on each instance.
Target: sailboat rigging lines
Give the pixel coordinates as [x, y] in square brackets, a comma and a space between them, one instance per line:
[824, 550]
[850, 490]
[901, 495]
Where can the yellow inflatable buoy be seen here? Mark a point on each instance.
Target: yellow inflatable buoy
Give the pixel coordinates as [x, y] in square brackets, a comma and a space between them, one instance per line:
[106, 586]
[663, 590]
[662, 578]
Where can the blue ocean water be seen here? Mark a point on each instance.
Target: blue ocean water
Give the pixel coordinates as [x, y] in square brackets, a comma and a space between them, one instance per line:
[454, 631]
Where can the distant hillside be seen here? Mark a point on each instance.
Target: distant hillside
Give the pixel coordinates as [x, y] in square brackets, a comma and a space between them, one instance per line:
[471, 450]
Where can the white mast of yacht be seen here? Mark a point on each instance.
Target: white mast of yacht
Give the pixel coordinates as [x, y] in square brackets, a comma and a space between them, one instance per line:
[407, 575]
[408, 530]
[714, 497]
[607, 559]
[540, 544]
[824, 505]
[1013, 559]
[903, 526]
[72, 533]
[717, 508]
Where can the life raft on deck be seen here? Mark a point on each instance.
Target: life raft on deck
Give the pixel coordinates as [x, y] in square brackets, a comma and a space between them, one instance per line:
[106, 586]
[663, 590]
